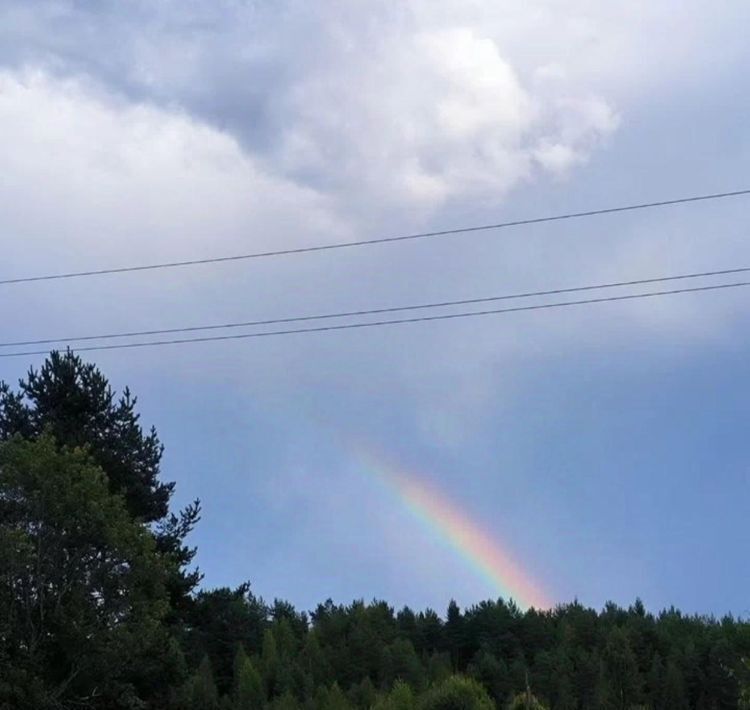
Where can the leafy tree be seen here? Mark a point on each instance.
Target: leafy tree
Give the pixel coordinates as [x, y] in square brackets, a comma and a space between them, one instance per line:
[525, 701]
[82, 588]
[71, 401]
[457, 693]
[401, 697]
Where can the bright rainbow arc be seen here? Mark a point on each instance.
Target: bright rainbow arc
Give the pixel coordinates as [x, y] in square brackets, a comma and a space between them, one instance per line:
[456, 529]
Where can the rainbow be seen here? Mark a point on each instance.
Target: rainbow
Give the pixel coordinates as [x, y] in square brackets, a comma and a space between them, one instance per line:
[490, 560]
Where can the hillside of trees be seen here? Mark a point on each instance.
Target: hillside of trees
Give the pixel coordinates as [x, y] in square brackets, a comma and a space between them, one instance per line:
[101, 605]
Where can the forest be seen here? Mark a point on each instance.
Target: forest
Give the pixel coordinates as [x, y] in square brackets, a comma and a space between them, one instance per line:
[103, 607]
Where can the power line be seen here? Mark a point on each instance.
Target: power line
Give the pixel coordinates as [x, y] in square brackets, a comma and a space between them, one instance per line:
[372, 324]
[370, 242]
[375, 311]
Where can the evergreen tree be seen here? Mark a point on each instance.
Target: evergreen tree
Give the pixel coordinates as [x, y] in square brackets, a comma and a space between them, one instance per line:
[721, 677]
[519, 674]
[400, 662]
[71, 401]
[655, 684]
[203, 692]
[269, 663]
[286, 652]
[454, 635]
[438, 667]
[621, 670]
[673, 693]
[493, 674]
[218, 621]
[248, 686]
[744, 684]
[363, 695]
[313, 661]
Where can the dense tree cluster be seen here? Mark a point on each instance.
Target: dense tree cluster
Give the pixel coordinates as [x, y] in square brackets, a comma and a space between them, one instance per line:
[100, 606]
[367, 655]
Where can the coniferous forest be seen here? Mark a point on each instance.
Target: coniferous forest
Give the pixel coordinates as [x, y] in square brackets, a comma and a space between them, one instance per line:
[101, 605]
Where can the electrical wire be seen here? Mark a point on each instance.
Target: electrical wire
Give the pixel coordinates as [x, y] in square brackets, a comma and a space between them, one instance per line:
[370, 242]
[372, 324]
[374, 311]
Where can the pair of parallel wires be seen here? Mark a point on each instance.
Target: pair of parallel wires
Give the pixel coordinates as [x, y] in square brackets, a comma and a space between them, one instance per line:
[283, 324]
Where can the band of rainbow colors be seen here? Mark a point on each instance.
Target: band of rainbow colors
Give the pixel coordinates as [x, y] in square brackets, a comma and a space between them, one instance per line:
[445, 520]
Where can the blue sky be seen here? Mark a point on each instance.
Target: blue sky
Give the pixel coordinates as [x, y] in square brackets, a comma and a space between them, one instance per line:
[605, 446]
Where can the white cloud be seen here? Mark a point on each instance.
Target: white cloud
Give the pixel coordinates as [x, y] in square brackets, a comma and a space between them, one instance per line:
[412, 104]
[122, 180]
[151, 131]
[431, 115]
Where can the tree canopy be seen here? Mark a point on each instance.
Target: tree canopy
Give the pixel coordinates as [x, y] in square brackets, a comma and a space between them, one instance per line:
[100, 608]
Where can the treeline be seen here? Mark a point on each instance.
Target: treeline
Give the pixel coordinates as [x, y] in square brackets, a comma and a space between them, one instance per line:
[101, 607]
[571, 657]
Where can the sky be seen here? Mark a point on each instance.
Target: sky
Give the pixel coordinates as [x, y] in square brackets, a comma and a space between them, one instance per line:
[597, 452]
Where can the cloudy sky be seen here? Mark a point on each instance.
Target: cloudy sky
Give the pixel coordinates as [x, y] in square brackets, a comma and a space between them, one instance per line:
[604, 448]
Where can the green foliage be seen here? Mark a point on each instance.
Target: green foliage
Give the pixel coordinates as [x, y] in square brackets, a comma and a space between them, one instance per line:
[673, 691]
[269, 663]
[457, 693]
[72, 402]
[438, 667]
[492, 673]
[202, 688]
[363, 695]
[313, 661]
[82, 589]
[401, 697]
[525, 701]
[247, 692]
[218, 621]
[331, 698]
[400, 662]
[621, 670]
[285, 702]
[744, 684]
[99, 611]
